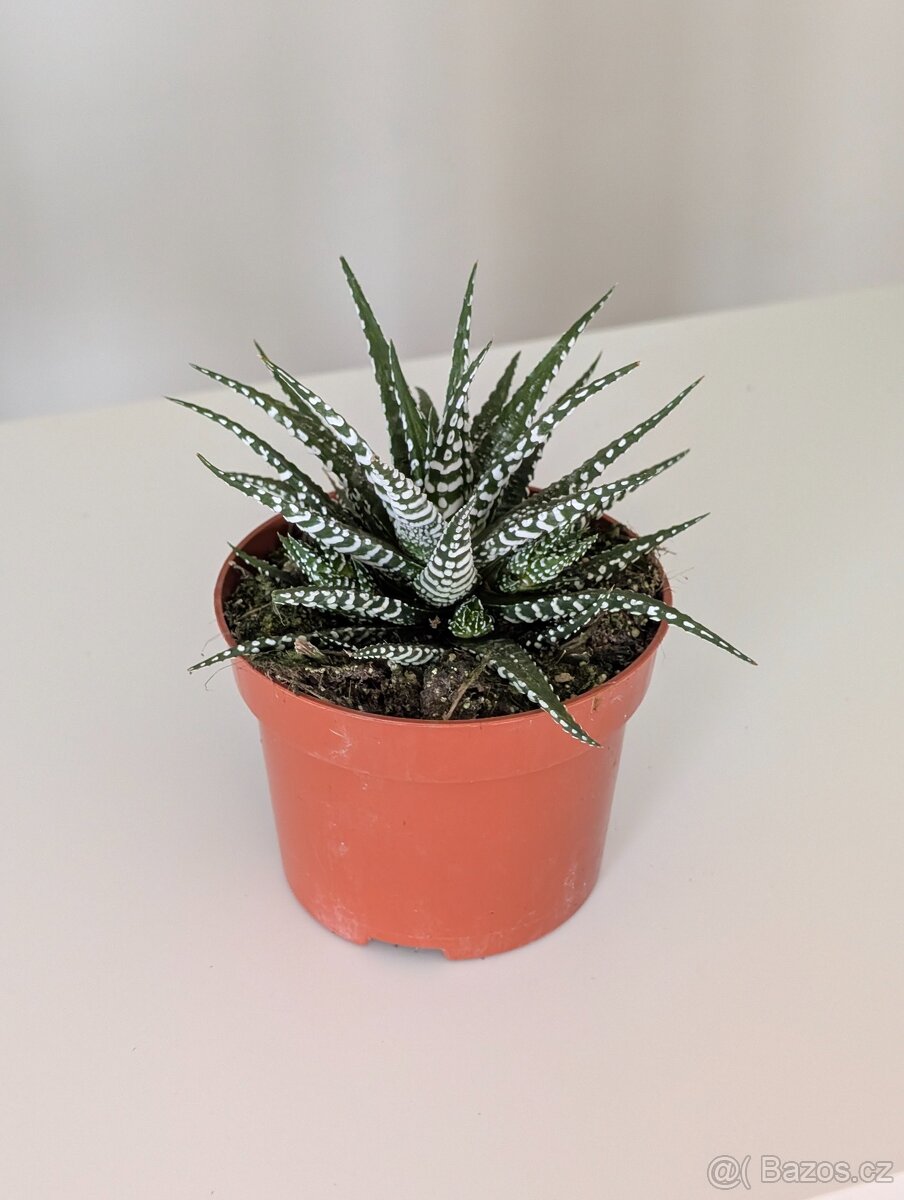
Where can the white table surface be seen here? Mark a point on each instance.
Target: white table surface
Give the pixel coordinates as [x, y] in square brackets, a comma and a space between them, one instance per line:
[173, 1025]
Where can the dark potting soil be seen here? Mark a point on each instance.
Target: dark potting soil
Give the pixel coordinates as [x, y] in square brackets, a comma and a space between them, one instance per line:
[460, 686]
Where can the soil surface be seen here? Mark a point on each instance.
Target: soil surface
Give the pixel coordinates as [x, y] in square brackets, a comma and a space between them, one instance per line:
[459, 687]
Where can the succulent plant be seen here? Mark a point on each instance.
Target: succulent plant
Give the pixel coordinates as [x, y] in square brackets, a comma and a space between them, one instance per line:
[443, 545]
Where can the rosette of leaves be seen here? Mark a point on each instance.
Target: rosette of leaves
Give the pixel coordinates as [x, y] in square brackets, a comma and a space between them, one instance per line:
[441, 544]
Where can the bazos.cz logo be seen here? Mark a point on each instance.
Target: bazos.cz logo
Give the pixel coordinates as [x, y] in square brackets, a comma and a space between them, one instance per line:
[726, 1172]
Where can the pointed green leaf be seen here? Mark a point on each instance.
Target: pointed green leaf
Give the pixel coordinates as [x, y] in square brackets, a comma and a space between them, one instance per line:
[446, 478]
[592, 468]
[532, 519]
[529, 443]
[301, 424]
[449, 573]
[485, 421]
[460, 349]
[431, 421]
[416, 519]
[470, 620]
[265, 645]
[378, 347]
[407, 653]
[350, 600]
[587, 605]
[622, 554]
[321, 564]
[325, 526]
[543, 560]
[259, 565]
[517, 668]
[411, 419]
[527, 398]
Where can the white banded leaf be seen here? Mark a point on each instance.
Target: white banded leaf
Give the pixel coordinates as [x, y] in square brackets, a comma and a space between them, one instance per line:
[324, 526]
[351, 600]
[319, 563]
[285, 469]
[399, 424]
[587, 605]
[470, 619]
[485, 421]
[529, 443]
[302, 424]
[461, 345]
[247, 649]
[541, 561]
[258, 565]
[449, 573]
[519, 670]
[600, 566]
[415, 518]
[411, 417]
[592, 468]
[409, 654]
[525, 401]
[534, 518]
[447, 474]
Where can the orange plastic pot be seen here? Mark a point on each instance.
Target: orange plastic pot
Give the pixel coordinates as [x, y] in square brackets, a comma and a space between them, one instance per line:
[471, 837]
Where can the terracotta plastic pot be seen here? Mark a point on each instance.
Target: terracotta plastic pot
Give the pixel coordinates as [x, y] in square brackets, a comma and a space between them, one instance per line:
[471, 837]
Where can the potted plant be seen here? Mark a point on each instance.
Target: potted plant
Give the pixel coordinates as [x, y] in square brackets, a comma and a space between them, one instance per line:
[442, 659]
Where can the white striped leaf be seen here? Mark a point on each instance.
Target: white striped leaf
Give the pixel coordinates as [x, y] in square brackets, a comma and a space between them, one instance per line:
[600, 566]
[264, 645]
[351, 600]
[409, 654]
[526, 400]
[530, 442]
[303, 425]
[531, 520]
[484, 422]
[321, 564]
[470, 620]
[587, 605]
[416, 520]
[592, 468]
[461, 345]
[446, 477]
[519, 670]
[324, 526]
[541, 561]
[259, 565]
[449, 573]
[406, 436]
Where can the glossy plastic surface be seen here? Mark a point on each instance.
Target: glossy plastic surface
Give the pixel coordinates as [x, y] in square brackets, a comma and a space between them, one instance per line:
[472, 837]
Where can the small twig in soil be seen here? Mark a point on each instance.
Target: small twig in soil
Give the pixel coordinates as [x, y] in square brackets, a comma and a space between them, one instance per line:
[469, 679]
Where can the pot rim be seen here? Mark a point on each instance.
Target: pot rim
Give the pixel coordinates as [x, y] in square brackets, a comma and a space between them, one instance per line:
[531, 714]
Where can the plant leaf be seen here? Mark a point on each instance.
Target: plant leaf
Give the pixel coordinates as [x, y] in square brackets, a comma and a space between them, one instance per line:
[411, 419]
[460, 348]
[587, 605]
[378, 348]
[529, 443]
[323, 526]
[446, 476]
[518, 669]
[584, 475]
[321, 564]
[525, 401]
[449, 574]
[265, 645]
[485, 420]
[351, 600]
[531, 520]
[416, 519]
[470, 620]
[543, 560]
[259, 565]
[600, 566]
[407, 653]
[301, 424]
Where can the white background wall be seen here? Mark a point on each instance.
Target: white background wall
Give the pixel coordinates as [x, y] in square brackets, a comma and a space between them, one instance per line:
[178, 177]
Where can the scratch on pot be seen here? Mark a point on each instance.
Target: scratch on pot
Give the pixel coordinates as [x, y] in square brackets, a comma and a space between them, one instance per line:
[342, 750]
